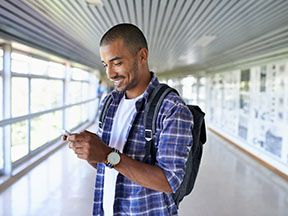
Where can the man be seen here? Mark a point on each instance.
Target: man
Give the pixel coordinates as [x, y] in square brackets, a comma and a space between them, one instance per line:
[125, 185]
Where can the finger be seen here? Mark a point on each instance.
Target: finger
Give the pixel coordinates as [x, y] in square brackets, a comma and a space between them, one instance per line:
[74, 144]
[75, 138]
[82, 136]
[82, 156]
[79, 144]
[70, 145]
[79, 151]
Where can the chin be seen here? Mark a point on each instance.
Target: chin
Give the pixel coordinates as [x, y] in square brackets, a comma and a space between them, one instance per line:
[120, 89]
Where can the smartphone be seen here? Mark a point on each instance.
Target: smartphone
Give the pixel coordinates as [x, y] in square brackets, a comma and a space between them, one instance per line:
[65, 134]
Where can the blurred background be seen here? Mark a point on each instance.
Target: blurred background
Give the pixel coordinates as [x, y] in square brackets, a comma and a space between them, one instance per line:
[228, 57]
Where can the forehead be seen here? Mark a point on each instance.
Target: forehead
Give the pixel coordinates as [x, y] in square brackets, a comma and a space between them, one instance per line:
[114, 47]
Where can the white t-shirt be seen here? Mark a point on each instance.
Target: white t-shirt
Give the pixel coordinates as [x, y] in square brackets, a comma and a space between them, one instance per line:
[121, 122]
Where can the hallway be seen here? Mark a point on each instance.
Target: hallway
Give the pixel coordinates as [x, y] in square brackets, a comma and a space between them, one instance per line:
[229, 184]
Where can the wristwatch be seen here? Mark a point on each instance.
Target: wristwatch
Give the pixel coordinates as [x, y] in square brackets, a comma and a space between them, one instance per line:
[113, 158]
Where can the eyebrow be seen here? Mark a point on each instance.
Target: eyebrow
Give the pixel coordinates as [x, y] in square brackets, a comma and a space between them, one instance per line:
[113, 59]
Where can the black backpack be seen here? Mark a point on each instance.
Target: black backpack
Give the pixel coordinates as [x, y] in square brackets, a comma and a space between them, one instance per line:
[198, 132]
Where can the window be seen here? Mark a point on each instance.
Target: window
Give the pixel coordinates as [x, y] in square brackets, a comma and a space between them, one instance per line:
[45, 94]
[1, 98]
[20, 63]
[19, 139]
[85, 91]
[79, 74]
[45, 128]
[19, 96]
[74, 116]
[84, 112]
[1, 59]
[1, 149]
[56, 70]
[1, 112]
[187, 83]
[37, 85]
[75, 89]
[38, 66]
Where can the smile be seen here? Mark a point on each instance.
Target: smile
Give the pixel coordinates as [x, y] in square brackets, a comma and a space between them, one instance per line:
[118, 81]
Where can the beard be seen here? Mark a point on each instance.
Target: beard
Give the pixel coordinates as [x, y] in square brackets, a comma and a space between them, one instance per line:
[134, 81]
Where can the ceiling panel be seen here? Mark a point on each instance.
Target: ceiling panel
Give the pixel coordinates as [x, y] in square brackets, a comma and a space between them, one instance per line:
[182, 35]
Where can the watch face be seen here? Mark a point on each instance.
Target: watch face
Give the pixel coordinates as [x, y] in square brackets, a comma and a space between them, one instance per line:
[113, 158]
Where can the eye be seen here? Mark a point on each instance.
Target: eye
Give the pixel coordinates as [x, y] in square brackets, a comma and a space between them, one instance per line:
[118, 63]
[105, 65]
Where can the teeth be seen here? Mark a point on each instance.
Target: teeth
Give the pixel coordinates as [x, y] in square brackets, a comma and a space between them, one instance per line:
[117, 82]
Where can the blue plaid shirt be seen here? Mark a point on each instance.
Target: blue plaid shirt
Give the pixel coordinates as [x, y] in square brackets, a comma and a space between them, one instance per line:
[173, 140]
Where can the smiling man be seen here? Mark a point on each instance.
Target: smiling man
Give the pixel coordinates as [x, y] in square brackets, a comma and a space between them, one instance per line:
[125, 184]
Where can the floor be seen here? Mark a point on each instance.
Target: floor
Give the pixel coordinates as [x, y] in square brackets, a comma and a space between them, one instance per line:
[229, 184]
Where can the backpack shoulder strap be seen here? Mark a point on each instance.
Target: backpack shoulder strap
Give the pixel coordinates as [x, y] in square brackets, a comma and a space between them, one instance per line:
[150, 116]
[103, 113]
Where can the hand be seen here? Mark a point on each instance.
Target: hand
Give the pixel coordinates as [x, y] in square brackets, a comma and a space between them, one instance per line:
[88, 146]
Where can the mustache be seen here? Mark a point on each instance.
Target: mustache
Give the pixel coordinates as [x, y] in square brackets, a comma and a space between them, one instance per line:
[116, 77]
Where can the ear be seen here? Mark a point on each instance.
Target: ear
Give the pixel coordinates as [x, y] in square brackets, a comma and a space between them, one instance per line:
[143, 55]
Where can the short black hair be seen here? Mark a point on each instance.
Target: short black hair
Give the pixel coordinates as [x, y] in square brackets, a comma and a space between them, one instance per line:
[132, 36]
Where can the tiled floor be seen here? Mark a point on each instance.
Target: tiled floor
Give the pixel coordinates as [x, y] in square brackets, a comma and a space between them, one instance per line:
[229, 184]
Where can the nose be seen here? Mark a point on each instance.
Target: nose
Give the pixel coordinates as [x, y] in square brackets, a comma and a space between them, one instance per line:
[110, 72]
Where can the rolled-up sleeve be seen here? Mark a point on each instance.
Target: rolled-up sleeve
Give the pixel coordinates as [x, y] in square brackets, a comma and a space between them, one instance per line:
[175, 141]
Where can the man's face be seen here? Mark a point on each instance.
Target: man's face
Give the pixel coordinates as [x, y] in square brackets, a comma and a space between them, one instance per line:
[121, 65]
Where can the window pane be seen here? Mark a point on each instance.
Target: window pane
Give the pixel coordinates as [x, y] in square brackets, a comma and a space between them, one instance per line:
[56, 70]
[45, 128]
[38, 66]
[74, 116]
[19, 63]
[1, 149]
[93, 108]
[1, 59]
[75, 92]
[79, 74]
[84, 112]
[1, 98]
[85, 91]
[92, 90]
[187, 87]
[19, 145]
[19, 96]
[45, 94]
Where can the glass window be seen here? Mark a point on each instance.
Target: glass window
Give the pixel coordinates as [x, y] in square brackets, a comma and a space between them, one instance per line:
[75, 91]
[85, 91]
[1, 98]
[203, 80]
[74, 116]
[79, 74]
[45, 128]
[1, 59]
[187, 83]
[92, 90]
[1, 149]
[19, 96]
[85, 112]
[56, 70]
[20, 63]
[92, 106]
[19, 139]
[38, 66]
[45, 94]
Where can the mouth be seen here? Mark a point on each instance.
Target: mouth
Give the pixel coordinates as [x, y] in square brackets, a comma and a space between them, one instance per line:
[117, 81]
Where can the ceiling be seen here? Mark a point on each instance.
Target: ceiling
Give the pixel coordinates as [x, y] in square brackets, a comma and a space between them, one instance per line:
[182, 35]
